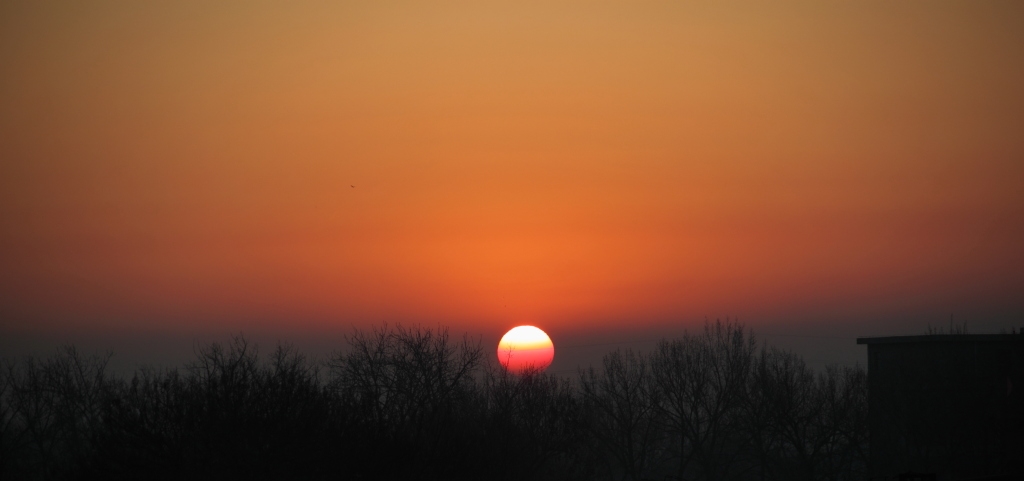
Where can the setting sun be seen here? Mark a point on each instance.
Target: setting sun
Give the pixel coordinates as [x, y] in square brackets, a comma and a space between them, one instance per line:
[525, 347]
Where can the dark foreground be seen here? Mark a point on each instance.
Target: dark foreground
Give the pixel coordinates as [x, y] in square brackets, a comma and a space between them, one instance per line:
[401, 403]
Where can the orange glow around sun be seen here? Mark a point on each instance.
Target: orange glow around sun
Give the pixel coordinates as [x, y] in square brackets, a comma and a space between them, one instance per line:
[309, 166]
[525, 347]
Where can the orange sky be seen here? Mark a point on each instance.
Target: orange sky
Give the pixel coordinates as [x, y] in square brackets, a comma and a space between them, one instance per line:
[564, 164]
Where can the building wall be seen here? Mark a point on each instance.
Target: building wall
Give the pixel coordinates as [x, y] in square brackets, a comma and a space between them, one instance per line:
[951, 405]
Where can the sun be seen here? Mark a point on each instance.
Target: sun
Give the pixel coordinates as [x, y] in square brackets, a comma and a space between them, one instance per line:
[525, 348]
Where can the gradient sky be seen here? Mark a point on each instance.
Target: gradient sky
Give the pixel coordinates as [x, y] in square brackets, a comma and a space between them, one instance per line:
[815, 169]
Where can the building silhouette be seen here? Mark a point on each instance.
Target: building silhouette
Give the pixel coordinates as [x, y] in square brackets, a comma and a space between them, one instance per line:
[946, 407]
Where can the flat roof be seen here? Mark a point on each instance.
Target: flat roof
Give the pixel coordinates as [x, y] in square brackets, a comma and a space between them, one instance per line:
[942, 338]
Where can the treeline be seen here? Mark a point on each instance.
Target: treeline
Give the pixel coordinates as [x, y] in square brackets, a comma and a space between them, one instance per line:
[414, 403]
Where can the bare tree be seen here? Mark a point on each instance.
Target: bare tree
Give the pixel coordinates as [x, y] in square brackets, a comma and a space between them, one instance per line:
[538, 425]
[52, 413]
[408, 385]
[228, 414]
[843, 419]
[414, 403]
[806, 425]
[702, 379]
[626, 404]
[784, 412]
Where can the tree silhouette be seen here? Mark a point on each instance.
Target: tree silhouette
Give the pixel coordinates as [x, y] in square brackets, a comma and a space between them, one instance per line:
[407, 387]
[625, 402]
[51, 413]
[402, 402]
[703, 380]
